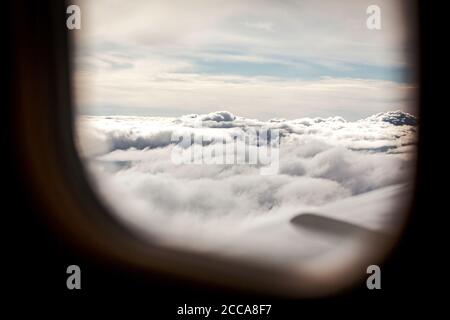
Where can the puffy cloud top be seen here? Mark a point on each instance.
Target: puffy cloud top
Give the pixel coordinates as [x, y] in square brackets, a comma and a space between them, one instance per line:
[389, 131]
[397, 118]
[220, 116]
[326, 165]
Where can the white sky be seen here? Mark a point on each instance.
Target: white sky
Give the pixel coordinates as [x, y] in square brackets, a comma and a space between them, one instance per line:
[258, 59]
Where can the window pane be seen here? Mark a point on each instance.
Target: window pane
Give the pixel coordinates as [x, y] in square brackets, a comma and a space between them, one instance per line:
[279, 132]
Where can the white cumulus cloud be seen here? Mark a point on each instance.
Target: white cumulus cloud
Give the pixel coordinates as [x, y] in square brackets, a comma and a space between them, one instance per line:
[323, 162]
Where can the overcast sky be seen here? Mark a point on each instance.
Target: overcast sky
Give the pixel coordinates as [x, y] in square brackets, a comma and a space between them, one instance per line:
[258, 59]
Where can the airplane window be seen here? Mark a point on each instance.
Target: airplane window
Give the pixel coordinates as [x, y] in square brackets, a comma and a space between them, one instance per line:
[280, 133]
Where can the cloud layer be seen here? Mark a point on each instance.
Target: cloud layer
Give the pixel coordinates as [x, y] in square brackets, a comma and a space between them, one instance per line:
[322, 161]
